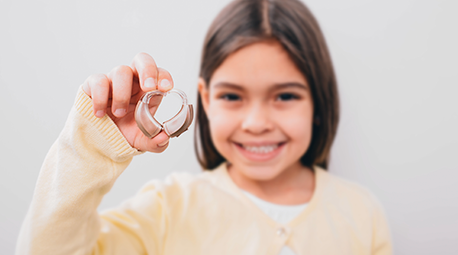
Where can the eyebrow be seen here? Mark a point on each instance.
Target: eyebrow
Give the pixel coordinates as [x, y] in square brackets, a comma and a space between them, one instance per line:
[228, 85]
[275, 87]
[290, 85]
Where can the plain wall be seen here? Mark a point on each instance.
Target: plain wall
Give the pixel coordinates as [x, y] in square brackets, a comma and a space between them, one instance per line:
[396, 63]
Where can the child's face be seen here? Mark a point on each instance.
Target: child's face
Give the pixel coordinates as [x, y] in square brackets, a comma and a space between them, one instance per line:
[260, 111]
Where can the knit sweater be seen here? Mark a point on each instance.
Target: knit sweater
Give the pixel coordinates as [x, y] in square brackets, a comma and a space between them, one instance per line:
[203, 213]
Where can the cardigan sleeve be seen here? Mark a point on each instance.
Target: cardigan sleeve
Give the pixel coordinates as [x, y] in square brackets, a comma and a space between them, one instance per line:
[80, 168]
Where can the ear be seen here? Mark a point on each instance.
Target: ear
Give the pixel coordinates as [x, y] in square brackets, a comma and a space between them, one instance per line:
[204, 94]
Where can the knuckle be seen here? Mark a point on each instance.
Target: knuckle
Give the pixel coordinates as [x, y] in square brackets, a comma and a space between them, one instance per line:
[97, 80]
[122, 69]
[144, 61]
[142, 55]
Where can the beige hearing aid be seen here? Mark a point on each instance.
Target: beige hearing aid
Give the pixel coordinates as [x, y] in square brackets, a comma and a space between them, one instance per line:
[173, 127]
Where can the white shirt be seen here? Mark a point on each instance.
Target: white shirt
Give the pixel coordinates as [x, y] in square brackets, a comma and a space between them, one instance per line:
[280, 213]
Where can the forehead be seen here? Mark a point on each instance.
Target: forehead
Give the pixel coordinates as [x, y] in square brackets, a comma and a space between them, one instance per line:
[258, 65]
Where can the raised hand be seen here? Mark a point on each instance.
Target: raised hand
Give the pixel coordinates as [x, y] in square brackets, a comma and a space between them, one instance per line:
[117, 93]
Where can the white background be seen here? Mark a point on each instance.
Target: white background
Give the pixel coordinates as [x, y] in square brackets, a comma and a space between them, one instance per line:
[396, 63]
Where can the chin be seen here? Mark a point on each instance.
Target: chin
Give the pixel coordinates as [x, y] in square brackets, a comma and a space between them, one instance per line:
[260, 173]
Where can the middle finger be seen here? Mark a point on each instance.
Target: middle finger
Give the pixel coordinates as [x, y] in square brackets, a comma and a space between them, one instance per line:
[121, 82]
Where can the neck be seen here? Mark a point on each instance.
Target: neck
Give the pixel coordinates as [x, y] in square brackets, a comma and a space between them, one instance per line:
[294, 185]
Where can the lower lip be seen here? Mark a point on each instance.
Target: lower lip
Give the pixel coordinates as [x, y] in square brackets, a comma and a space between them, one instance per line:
[260, 156]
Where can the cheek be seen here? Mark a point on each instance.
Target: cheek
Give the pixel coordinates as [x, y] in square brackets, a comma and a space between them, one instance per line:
[297, 124]
[222, 125]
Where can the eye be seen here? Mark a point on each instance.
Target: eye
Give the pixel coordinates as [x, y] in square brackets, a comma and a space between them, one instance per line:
[230, 97]
[287, 97]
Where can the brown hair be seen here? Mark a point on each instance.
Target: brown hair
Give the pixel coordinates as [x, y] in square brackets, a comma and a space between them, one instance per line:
[291, 23]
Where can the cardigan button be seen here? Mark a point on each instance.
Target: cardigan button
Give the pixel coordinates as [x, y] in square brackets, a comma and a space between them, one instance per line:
[281, 232]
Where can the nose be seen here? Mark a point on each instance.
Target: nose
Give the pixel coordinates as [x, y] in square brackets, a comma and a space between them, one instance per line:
[257, 119]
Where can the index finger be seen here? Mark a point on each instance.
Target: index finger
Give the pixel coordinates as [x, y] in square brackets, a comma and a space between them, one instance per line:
[145, 68]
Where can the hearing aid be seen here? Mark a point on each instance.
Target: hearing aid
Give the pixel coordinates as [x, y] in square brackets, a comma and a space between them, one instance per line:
[173, 127]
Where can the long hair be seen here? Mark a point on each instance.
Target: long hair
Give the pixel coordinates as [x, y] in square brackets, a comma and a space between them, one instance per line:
[290, 22]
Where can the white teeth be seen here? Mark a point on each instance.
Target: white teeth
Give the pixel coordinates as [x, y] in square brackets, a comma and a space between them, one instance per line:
[260, 149]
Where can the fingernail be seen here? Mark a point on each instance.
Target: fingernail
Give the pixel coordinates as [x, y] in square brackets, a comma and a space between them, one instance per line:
[149, 83]
[163, 143]
[120, 112]
[165, 84]
[100, 113]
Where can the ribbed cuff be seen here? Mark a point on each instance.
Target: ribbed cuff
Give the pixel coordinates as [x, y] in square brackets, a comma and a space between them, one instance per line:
[115, 140]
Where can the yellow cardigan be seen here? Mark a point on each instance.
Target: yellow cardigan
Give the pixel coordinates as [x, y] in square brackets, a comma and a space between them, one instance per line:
[184, 214]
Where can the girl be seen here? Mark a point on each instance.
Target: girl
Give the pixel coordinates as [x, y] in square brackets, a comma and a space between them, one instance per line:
[267, 114]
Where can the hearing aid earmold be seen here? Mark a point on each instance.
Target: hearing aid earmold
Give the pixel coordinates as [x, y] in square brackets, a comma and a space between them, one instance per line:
[173, 127]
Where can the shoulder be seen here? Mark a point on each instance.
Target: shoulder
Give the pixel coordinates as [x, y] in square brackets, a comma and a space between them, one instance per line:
[347, 195]
[354, 207]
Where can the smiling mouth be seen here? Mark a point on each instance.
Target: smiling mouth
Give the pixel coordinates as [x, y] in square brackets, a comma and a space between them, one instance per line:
[262, 149]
